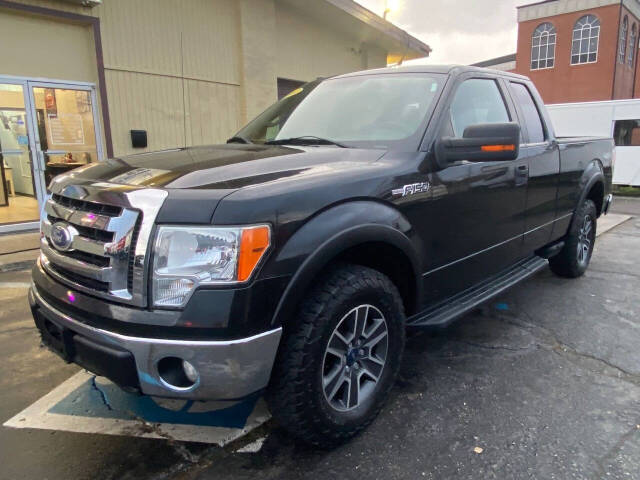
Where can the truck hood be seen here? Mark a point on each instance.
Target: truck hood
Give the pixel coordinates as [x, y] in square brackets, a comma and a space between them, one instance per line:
[219, 169]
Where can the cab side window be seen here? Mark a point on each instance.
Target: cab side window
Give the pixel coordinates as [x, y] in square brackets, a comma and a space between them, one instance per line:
[477, 100]
[530, 112]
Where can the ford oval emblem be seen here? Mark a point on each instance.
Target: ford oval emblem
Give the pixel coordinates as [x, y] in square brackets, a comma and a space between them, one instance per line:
[62, 236]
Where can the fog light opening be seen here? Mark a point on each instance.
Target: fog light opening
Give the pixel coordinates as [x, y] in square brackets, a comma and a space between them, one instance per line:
[177, 373]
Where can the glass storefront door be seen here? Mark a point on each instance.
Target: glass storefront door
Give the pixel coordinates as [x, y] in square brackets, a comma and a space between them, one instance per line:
[45, 129]
[18, 199]
[66, 134]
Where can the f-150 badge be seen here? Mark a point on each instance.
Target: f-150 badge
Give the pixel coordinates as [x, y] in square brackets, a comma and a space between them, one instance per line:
[412, 188]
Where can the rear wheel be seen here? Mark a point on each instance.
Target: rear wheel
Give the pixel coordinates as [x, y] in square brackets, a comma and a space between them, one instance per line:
[574, 258]
[339, 358]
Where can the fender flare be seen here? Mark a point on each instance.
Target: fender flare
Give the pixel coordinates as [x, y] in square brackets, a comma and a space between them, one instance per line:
[593, 174]
[310, 254]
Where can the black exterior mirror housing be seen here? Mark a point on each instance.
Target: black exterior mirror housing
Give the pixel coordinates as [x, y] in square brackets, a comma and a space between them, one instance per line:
[483, 142]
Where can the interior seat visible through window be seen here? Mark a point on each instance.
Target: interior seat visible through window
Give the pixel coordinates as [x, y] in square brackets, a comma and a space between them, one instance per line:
[477, 100]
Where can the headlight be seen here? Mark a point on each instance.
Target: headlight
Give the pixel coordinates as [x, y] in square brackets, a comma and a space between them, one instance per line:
[186, 257]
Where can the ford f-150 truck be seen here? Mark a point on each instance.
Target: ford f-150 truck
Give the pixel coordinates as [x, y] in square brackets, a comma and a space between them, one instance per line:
[291, 260]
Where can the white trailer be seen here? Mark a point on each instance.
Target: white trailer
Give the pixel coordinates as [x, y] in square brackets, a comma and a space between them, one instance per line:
[619, 119]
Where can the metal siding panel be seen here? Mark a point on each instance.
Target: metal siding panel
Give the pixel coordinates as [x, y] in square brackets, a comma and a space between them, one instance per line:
[141, 36]
[210, 35]
[213, 112]
[150, 102]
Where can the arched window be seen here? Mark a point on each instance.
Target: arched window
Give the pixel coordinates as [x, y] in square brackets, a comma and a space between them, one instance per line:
[622, 42]
[584, 45]
[543, 46]
[633, 44]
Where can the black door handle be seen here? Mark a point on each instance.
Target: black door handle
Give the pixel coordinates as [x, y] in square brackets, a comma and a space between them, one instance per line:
[523, 168]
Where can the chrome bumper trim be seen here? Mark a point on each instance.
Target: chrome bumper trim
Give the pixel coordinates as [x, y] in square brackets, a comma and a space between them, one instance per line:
[608, 200]
[228, 369]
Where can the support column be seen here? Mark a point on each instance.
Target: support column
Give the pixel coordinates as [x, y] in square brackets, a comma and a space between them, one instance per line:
[258, 56]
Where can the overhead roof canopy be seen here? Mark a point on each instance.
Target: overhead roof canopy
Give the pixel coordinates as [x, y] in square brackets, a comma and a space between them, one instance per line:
[365, 26]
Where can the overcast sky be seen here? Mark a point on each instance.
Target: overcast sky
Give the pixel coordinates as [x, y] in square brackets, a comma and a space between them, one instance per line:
[458, 31]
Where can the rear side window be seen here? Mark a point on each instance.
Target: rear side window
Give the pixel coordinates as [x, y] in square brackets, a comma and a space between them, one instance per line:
[530, 111]
[477, 100]
[626, 133]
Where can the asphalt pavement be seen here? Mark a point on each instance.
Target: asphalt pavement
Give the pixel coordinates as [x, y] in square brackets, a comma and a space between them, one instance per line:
[541, 383]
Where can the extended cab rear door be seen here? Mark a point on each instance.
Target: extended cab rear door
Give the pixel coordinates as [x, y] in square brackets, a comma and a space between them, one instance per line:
[541, 152]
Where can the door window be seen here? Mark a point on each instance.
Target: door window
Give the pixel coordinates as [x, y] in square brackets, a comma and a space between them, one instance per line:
[477, 100]
[65, 128]
[530, 112]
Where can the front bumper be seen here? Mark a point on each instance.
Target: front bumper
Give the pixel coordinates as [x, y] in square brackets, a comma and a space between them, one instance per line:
[227, 369]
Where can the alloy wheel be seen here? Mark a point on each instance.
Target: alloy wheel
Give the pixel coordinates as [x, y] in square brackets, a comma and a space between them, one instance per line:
[355, 357]
[585, 240]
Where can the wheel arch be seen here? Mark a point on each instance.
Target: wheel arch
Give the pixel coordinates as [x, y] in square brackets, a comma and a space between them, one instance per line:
[379, 229]
[592, 185]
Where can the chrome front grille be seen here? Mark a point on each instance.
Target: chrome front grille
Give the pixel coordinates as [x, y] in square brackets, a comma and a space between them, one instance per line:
[112, 227]
[100, 255]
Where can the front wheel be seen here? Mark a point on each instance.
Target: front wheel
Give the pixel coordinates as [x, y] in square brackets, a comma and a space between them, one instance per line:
[339, 358]
[574, 258]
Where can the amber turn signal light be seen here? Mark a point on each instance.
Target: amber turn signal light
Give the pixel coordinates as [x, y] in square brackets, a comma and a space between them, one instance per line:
[498, 148]
[254, 243]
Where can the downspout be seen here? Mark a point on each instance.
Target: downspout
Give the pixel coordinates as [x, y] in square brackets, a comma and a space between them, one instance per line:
[615, 65]
[635, 60]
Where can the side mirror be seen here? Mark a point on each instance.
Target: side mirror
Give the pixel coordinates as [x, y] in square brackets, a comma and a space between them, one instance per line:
[483, 142]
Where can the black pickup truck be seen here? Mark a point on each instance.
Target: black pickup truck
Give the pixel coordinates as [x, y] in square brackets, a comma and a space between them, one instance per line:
[291, 260]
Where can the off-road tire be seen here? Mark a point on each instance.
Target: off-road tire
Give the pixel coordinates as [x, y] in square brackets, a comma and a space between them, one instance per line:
[568, 263]
[295, 395]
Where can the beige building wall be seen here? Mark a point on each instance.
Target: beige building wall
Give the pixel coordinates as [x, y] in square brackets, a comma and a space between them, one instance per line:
[172, 68]
[189, 72]
[69, 52]
[318, 50]
[258, 51]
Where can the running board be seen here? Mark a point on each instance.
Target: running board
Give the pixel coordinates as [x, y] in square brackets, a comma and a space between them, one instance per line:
[462, 303]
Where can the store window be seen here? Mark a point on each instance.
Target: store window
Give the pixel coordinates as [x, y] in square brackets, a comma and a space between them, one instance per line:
[626, 133]
[18, 201]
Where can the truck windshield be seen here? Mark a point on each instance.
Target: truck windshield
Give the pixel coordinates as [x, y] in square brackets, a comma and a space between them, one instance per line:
[370, 111]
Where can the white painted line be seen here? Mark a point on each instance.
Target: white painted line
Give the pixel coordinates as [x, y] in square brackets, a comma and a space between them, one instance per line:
[252, 447]
[39, 415]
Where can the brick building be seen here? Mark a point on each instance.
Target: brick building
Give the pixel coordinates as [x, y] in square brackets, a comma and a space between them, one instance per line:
[578, 50]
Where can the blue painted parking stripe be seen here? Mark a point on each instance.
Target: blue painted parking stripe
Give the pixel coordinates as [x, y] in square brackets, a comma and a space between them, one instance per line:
[89, 404]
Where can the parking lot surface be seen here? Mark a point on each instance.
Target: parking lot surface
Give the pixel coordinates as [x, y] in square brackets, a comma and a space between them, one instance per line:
[542, 382]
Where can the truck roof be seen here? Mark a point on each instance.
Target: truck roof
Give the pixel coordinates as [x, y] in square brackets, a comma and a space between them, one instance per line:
[446, 69]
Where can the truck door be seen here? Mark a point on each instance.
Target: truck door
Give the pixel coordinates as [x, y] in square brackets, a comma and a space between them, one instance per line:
[476, 221]
[540, 150]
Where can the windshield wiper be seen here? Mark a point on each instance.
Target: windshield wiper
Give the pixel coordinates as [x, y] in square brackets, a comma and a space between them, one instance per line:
[239, 139]
[305, 140]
